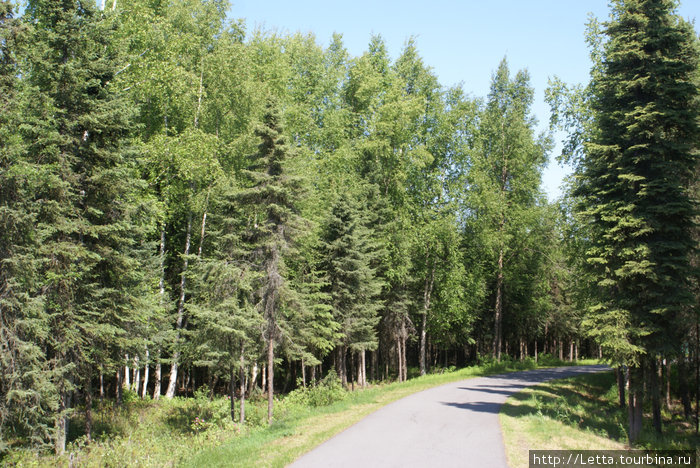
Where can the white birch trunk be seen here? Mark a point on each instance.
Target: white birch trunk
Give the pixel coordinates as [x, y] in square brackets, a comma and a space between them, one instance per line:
[170, 392]
[159, 375]
[253, 378]
[136, 380]
[126, 383]
[144, 387]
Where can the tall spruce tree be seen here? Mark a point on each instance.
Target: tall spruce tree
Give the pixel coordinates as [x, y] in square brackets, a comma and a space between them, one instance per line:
[85, 223]
[26, 392]
[352, 284]
[226, 325]
[269, 202]
[635, 191]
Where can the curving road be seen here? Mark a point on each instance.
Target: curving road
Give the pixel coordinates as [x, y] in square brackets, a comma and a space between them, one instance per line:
[454, 425]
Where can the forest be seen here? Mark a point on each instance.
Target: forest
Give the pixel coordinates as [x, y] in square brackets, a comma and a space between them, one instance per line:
[187, 204]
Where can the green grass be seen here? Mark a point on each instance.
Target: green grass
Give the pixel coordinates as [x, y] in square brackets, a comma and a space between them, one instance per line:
[164, 433]
[278, 446]
[580, 413]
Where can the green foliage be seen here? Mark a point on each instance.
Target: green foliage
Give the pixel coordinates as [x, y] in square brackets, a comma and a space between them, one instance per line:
[503, 182]
[352, 283]
[176, 190]
[322, 393]
[640, 160]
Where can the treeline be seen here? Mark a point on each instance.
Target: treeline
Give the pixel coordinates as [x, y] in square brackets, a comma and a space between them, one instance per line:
[184, 202]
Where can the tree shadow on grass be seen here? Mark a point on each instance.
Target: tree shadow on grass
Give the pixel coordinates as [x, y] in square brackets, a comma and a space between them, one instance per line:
[578, 402]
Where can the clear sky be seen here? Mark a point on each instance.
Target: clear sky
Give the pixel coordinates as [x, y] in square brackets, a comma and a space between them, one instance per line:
[463, 41]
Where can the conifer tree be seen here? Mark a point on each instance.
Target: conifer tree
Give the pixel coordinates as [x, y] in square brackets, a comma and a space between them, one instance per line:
[226, 325]
[26, 391]
[353, 285]
[269, 202]
[87, 221]
[635, 191]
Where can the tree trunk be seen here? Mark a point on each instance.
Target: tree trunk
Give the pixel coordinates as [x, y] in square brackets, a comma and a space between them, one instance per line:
[353, 358]
[127, 381]
[303, 373]
[253, 378]
[212, 386]
[683, 387]
[636, 384]
[88, 409]
[243, 386]
[427, 292]
[232, 393]
[170, 392]
[536, 357]
[136, 376]
[363, 367]
[199, 94]
[571, 350]
[620, 377]
[561, 350]
[291, 374]
[398, 357]
[342, 366]
[263, 387]
[270, 378]
[161, 284]
[498, 310]
[118, 388]
[62, 422]
[667, 382]
[654, 381]
[204, 224]
[144, 387]
[373, 365]
[158, 378]
[697, 374]
[403, 358]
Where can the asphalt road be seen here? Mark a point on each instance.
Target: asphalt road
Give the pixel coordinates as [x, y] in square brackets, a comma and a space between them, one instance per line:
[454, 425]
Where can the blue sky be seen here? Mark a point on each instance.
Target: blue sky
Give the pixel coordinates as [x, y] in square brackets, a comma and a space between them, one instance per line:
[463, 41]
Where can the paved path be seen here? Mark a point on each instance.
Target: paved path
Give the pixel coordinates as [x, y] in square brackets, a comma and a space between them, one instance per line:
[454, 425]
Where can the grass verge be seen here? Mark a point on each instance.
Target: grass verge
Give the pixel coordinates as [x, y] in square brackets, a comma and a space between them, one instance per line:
[199, 432]
[580, 413]
[293, 436]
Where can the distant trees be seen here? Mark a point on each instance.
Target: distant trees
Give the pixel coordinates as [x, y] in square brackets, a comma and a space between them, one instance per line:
[504, 180]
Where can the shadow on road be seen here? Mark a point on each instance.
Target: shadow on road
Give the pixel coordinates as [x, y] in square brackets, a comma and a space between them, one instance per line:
[507, 389]
[478, 406]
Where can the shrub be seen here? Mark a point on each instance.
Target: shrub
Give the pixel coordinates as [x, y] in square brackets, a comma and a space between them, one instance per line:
[327, 391]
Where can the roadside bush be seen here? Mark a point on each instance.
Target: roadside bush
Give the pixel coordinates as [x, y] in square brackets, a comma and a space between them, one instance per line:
[199, 413]
[327, 391]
